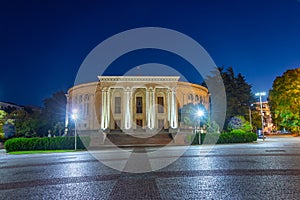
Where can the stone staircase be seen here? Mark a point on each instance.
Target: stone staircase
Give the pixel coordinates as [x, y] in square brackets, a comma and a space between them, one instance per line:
[140, 138]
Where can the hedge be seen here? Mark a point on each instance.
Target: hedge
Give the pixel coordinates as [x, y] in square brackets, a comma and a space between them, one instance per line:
[47, 143]
[225, 137]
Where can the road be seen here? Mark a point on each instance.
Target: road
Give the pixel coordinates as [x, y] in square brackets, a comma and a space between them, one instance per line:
[262, 170]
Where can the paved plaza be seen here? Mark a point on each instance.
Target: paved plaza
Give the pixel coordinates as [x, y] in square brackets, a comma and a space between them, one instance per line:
[261, 170]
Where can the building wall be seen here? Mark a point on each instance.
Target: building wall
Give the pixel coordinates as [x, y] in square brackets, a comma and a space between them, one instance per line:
[88, 99]
[267, 116]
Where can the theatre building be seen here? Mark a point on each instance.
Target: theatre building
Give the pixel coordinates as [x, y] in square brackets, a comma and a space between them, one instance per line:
[132, 103]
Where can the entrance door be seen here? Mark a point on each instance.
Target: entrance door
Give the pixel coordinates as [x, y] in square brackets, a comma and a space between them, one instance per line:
[139, 124]
[161, 123]
[117, 124]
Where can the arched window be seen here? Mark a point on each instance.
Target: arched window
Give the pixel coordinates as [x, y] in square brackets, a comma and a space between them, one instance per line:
[201, 99]
[86, 97]
[196, 98]
[190, 98]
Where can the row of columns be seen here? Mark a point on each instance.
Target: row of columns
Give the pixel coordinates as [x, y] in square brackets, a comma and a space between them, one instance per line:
[150, 108]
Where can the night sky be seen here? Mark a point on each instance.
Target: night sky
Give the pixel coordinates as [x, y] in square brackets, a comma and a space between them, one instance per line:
[43, 43]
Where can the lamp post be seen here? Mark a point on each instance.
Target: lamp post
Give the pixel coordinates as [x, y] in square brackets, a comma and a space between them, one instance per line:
[74, 117]
[260, 94]
[200, 113]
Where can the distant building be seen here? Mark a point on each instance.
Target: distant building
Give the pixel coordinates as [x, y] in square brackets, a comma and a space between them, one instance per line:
[267, 116]
[10, 106]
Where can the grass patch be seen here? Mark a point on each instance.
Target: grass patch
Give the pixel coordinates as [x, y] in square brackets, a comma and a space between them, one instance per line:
[42, 151]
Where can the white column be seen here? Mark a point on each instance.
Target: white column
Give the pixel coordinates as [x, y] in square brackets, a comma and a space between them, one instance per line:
[169, 105]
[127, 113]
[103, 109]
[151, 116]
[130, 108]
[148, 109]
[173, 109]
[153, 108]
[107, 108]
[67, 114]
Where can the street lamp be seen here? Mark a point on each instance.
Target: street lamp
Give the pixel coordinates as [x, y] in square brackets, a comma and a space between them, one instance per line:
[260, 94]
[200, 113]
[75, 117]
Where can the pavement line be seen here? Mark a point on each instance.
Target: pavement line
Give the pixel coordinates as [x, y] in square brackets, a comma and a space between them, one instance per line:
[147, 178]
[161, 157]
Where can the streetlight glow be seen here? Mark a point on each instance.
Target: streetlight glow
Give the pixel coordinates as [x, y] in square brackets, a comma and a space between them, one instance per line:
[74, 114]
[260, 94]
[200, 113]
[75, 117]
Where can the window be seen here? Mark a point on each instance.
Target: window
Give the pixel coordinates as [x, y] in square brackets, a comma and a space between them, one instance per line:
[160, 102]
[139, 105]
[87, 106]
[117, 104]
[196, 98]
[190, 98]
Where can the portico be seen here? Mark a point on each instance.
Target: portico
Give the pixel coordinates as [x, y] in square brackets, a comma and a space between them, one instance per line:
[133, 102]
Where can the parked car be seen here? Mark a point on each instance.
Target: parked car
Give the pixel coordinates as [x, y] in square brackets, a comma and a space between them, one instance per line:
[260, 134]
[284, 131]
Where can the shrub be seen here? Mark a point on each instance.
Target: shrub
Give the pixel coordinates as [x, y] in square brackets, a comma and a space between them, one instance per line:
[239, 123]
[234, 136]
[54, 143]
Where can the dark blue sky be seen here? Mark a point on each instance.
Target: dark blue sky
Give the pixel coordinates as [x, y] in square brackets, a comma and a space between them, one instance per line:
[43, 43]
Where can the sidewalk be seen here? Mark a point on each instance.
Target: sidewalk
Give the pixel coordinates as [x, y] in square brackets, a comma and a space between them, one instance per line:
[2, 151]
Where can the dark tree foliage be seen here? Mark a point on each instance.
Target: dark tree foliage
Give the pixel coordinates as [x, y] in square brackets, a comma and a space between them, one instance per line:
[26, 124]
[238, 93]
[55, 109]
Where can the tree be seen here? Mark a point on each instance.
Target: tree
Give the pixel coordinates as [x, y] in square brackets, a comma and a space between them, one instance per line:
[9, 128]
[55, 109]
[3, 115]
[239, 123]
[27, 124]
[21, 122]
[238, 93]
[256, 119]
[284, 100]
